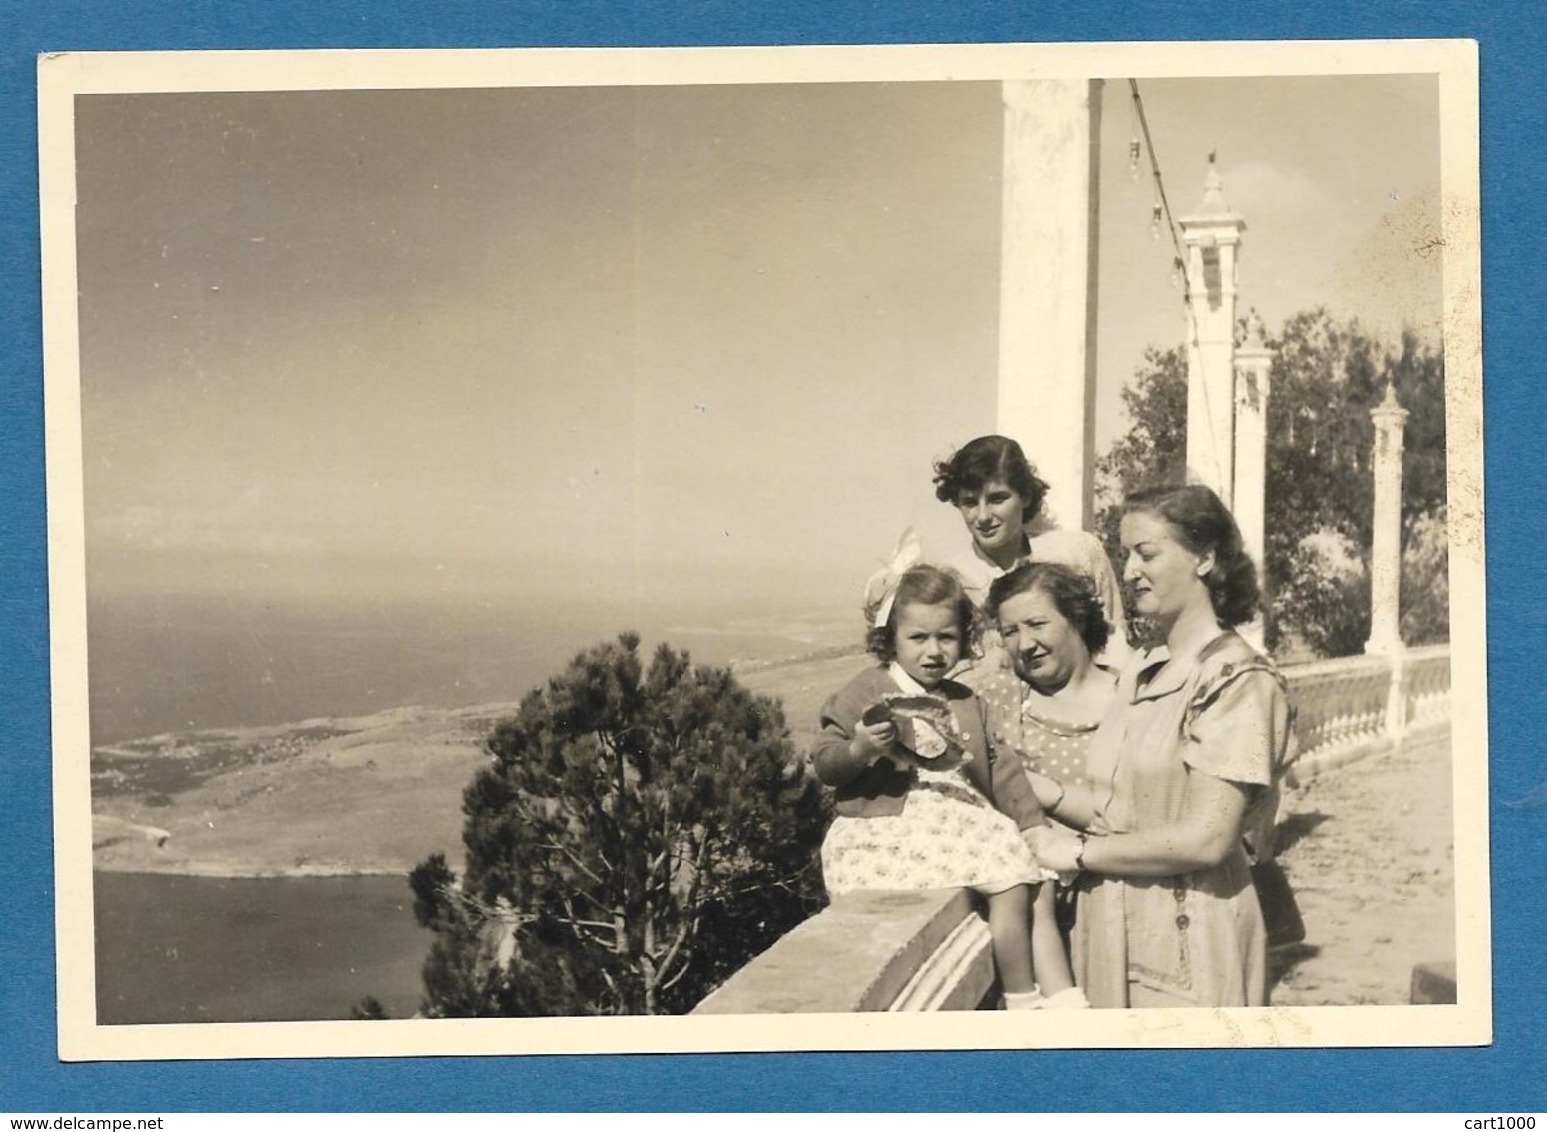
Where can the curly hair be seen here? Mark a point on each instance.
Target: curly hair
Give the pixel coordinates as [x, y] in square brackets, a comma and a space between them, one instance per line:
[986, 459]
[921, 585]
[1072, 594]
[1203, 524]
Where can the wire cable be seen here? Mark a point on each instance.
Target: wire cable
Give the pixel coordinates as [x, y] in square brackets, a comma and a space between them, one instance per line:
[1195, 351]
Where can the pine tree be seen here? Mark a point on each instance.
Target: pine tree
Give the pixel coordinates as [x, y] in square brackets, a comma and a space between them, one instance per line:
[641, 833]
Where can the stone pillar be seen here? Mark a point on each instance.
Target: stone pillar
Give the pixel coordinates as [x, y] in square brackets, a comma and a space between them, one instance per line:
[1211, 237]
[1386, 551]
[1253, 363]
[1386, 556]
[1047, 296]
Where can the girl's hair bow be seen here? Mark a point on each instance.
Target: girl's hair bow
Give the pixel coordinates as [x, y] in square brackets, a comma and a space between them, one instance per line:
[881, 588]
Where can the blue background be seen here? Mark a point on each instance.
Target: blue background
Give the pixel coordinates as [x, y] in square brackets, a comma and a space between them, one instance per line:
[1503, 1078]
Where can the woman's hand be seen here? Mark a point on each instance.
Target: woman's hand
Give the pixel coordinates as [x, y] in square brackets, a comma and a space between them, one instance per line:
[1207, 830]
[1049, 791]
[1057, 847]
[1069, 803]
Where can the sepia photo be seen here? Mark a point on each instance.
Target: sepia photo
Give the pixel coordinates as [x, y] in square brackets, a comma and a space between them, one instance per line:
[624, 551]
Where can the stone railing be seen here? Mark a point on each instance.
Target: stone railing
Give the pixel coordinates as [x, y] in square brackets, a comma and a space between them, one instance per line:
[931, 950]
[1340, 708]
[1353, 707]
[926, 950]
[1426, 687]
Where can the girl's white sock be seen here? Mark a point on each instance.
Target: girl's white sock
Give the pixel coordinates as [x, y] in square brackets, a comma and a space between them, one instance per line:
[1024, 1000]
[1070, 998]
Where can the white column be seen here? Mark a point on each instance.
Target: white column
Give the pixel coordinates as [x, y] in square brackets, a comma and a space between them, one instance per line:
[1386, 551]
[1047, 306]
[1253, 363]
[1211, 237]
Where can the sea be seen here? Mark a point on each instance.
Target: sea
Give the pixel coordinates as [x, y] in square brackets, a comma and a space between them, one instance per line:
[254, 949]
[168, 663]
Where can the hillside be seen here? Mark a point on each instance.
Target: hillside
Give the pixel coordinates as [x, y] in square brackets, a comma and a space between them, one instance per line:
[373, 794]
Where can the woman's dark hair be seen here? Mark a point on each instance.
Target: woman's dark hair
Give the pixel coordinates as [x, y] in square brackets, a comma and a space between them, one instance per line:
[921, 585]
[990, 458]
[1203, 524]
[1072, 594]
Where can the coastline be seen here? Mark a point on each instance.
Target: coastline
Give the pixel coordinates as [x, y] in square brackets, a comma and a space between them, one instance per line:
[208, 871]
[369, 795]
[348, 796]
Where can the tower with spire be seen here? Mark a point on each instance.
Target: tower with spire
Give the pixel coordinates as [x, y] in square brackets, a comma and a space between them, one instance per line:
[1211, 236]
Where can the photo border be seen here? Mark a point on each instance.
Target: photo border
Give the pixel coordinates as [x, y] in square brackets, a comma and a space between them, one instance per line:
[1502, 1078]
[62, 78]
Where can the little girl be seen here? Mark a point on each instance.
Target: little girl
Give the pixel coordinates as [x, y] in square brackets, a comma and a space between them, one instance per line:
[906, 750]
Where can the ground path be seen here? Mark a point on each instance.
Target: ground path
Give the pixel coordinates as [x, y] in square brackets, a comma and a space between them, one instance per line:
[1368, 851]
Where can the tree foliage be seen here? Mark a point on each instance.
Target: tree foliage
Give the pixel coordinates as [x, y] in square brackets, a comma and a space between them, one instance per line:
[642, 832]
[1326, 377]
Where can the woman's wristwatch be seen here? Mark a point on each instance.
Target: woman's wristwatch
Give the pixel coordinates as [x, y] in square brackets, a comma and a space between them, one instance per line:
[1079, 854]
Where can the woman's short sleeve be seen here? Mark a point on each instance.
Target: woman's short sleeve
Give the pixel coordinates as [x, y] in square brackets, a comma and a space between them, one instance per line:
[1239, 730]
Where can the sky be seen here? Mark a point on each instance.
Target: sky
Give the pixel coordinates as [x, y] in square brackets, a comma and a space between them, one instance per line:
[646, 344]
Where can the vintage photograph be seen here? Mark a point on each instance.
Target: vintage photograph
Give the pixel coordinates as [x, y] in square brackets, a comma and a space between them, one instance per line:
[667, 543]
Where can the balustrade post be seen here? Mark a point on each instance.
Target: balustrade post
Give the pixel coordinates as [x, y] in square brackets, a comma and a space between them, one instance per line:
[1396, 700]
[1386, 554]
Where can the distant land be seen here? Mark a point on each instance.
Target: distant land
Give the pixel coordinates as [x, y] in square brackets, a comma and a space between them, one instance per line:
[358, 795]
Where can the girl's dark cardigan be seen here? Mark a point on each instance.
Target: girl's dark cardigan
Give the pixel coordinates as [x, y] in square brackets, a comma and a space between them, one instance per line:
[881, 789]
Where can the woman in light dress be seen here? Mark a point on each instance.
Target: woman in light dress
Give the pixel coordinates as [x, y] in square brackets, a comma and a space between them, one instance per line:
[1195, 741]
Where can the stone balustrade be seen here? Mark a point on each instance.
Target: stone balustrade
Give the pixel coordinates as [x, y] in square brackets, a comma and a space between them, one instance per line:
[930, 950]
[870, 951]
[1426, 687]
[1353, 707]
[1340, 708]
